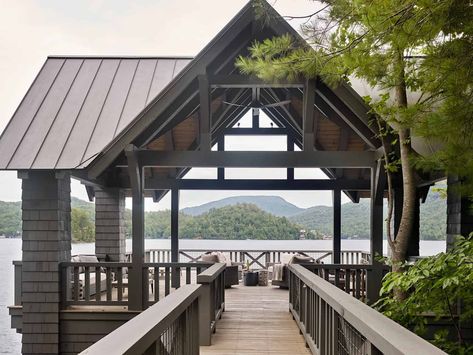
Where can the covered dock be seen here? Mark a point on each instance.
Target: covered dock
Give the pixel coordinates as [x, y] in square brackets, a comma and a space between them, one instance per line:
[133, 127]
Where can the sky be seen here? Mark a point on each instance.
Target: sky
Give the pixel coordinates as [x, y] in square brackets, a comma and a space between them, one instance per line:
[30, 30]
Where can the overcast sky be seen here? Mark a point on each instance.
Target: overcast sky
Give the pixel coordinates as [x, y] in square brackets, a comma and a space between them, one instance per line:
[31, 30]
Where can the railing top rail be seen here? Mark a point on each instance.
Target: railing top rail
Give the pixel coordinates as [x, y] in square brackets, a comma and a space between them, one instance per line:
[344, 266]
[136, 335]
[387, 335]
[211, 273]
[111, 264]
[259, 250]
[182, 265]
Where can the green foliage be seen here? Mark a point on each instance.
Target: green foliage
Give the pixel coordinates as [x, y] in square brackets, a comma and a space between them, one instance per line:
[434, 286]
[82, 225]
[423, 46]
[10, 218]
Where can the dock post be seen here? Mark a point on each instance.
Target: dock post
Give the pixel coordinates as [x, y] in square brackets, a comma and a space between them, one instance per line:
[46, 217]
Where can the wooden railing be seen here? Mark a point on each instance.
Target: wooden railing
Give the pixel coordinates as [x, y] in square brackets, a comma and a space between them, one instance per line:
[348, 277]
[334, 322]
[256, 258]
[171, 326]
[212, 302]
[106, 283]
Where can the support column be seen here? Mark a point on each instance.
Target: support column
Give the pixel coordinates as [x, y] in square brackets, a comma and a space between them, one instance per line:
[459, 213]
[46, 216]
[308, 115]
[337, 226]
[290, 148]
[175, 236]
[221, 148]
[136, 290]
[109, 224]
[376, 231]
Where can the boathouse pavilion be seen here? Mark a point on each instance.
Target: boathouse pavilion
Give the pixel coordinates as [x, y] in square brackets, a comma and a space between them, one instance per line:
[134, 126]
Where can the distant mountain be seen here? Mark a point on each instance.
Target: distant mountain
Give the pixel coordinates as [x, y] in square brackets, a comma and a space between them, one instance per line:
[271, 204]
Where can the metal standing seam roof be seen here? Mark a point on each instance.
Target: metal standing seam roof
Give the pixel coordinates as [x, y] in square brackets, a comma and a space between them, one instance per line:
[78, 105]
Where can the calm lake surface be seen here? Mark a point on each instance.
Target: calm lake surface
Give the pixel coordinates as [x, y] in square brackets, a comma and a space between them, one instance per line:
[10, 249]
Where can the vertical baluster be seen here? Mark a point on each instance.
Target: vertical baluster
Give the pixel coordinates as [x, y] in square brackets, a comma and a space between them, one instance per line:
[120, 284]
[188, 275]
[337, 278]
[347, 280]
[87, 284]
[98, 283]
[76, 283]
[156, 284]
[109, 283]
[167, 281]
[358, 283]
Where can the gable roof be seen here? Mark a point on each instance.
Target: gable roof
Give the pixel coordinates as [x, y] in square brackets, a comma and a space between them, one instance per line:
[77, 105]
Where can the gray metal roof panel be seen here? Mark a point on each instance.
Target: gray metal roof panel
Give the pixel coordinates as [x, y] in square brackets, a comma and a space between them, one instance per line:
[77, 105]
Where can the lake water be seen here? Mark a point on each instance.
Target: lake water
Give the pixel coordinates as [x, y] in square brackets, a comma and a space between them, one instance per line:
[10, 249]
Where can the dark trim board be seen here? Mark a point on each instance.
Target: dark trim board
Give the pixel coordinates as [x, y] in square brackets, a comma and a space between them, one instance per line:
[260, 184]
[258, 159]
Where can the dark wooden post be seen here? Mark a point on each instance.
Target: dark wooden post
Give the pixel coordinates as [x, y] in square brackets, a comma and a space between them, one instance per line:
[290, 148]
[175, 235]
[337, 226]
[221, 148]
[136, 283]
[376, 231]
[46, 237]
[308, 115]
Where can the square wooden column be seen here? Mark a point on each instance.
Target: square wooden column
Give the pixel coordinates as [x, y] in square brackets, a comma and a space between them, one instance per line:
[337, 226]
[46, 216]
[110, 224]
[459, 213]
[413, 248]
[175, 236]
[375, 275]
[137, 293]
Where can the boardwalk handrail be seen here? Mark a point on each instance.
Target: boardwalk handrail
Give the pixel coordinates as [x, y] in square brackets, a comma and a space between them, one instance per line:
[169, 326]
[334, 322]
[212, 302]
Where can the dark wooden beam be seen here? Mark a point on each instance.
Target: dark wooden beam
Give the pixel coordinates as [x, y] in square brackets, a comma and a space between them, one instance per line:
[255, 131]
[90, 192]
[337, 226]
[243, 81]
[260, 184]
[308, 115]
[136, 295]
[204, 113]
[260, 159]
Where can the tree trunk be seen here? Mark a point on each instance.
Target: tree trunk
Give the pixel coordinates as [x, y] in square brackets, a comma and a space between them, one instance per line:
[409, 182]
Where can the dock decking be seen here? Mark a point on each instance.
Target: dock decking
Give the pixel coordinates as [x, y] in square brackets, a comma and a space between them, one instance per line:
[256, 321]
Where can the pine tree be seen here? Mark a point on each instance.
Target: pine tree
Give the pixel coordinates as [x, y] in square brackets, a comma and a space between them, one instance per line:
[408, 50]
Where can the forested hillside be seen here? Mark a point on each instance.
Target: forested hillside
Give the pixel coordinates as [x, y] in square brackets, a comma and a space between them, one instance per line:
[242, 220]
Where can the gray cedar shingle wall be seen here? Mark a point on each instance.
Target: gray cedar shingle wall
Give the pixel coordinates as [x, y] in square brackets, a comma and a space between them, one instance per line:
[76, 106]
[109, 224]
[46, 243]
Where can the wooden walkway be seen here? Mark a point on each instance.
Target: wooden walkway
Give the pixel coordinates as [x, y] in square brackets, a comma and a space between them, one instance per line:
[256, 321]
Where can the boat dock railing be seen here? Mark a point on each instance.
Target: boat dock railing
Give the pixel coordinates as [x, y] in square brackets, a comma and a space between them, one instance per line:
[256, 258]
[177, 324]
[334, 322]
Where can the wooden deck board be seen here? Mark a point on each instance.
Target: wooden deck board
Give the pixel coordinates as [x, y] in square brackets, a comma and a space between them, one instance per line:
[256, 321]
